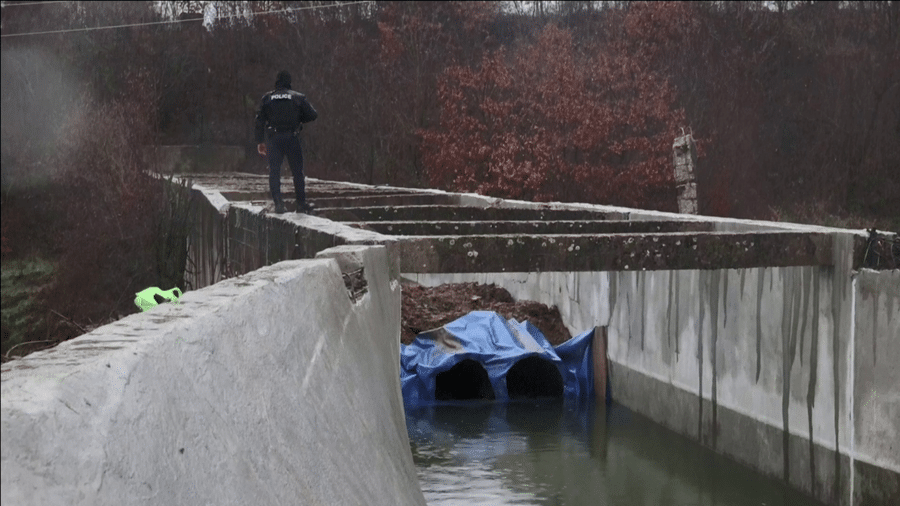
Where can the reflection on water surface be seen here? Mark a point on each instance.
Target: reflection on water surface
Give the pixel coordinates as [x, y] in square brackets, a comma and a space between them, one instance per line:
[550, 453]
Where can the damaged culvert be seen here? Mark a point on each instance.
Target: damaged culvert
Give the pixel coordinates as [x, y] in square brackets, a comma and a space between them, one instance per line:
[465, 380]
[485, 355]
[534, 377]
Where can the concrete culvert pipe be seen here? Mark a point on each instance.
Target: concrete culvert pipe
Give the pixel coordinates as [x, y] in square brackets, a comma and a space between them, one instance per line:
[465, 380]
[534, 377]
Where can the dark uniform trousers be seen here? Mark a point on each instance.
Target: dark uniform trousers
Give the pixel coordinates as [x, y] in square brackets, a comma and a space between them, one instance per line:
[281, 145]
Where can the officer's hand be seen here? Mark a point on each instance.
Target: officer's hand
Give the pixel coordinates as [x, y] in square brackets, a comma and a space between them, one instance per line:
[261, 148]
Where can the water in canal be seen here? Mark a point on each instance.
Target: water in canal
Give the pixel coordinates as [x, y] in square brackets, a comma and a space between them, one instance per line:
[548, 453]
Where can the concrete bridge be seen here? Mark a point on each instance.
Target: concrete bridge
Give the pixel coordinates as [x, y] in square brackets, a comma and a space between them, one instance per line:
[276, 379]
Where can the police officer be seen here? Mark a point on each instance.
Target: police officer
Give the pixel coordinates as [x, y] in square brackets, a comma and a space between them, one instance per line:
[279, 119]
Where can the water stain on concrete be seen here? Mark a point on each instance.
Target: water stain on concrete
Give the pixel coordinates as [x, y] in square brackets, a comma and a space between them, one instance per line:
[677, 316]
[669, 303]
[725, 297]
[813, 374]
[836, 368]
[613, 291]
[642, 283]
[786, 363]
[797, 292]
[807, 273]
[743, 277]
[760, 283]
[704, 283]
[713, 289]
[874, 327]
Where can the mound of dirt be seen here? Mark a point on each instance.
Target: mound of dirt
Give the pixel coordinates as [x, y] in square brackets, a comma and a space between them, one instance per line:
[425, 308]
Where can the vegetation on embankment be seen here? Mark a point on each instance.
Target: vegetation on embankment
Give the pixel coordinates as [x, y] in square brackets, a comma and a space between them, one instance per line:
[795, 105]
[78, 243]
[20, 315]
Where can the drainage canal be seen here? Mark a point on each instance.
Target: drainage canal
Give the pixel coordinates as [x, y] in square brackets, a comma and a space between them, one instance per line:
[542, 452]
[532, 443]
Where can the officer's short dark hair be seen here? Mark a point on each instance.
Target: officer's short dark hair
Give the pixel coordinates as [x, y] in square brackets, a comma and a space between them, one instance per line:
[283, 80]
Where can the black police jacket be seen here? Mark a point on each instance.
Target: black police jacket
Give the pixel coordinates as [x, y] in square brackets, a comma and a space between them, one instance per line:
[283, 109]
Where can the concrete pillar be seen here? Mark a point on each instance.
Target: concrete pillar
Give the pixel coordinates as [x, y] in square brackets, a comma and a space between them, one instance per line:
[599, 356]
[685, 156]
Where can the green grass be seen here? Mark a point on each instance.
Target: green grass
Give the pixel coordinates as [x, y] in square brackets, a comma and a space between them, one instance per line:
[21, 316]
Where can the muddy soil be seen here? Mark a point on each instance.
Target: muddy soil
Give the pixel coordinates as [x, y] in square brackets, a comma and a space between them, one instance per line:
[425, 308]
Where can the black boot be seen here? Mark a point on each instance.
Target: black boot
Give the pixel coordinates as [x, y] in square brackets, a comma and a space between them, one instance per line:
[305, 207]
[279, 206]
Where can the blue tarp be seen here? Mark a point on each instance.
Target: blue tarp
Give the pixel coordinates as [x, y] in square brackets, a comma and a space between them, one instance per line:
[497, 344]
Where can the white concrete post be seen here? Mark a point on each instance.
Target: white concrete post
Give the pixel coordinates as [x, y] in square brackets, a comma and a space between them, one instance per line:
[685, 155]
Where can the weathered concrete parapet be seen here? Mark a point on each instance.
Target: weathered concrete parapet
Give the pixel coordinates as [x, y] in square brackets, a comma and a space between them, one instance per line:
[234, 238]
[685, 156]
[269, 388]
[536, 227]
[612, 252]
[449, 212]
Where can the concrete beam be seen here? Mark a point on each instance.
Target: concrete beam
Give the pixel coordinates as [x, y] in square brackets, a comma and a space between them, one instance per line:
[458, 228]
[392, 199]
[527, 253]
[238, 184]
[254, 239]
[444, 212]
[324, 199]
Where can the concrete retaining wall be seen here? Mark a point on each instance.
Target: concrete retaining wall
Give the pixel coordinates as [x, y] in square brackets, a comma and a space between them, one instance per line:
[230, 239]
[788, 368]
[207, 262]
[876, 387]
[270, 388]
[766, 363]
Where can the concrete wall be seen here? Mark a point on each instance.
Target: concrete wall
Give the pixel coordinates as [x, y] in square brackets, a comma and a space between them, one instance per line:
[206, 242]
[876, 387]
[750, 362]
[269, 388]
[230, 239]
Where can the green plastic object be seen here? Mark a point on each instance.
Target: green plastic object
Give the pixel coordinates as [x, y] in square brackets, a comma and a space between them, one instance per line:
[145, 299]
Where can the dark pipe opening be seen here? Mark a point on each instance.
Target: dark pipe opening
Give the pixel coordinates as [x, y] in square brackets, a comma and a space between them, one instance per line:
[465, 380]
[534, 377]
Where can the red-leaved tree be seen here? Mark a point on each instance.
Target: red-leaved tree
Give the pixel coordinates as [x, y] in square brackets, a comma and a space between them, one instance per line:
[554, 121]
